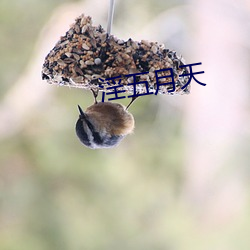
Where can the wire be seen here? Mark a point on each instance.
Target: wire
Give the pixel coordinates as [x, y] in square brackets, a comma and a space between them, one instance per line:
[110, 15]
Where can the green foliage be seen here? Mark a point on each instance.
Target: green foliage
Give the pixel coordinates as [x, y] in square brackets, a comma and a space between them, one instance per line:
[20, 24]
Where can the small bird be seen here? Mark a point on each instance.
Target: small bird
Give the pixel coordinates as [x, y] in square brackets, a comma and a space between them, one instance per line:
[104, 124]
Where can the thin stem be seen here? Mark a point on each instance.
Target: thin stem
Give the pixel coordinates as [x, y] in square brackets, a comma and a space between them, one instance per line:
[110, 15]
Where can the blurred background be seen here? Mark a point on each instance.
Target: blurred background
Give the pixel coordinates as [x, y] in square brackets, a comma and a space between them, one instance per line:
[180, 182]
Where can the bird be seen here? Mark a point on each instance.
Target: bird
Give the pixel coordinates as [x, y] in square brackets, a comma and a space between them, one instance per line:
[104, 124]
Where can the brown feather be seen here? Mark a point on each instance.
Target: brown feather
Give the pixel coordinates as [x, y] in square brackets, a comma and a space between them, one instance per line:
[112, 117]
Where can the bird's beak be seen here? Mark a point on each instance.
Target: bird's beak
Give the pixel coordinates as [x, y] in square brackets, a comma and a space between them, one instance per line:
[82, 115]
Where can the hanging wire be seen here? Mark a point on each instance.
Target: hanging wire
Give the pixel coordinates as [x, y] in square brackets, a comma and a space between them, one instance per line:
[110, 15]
